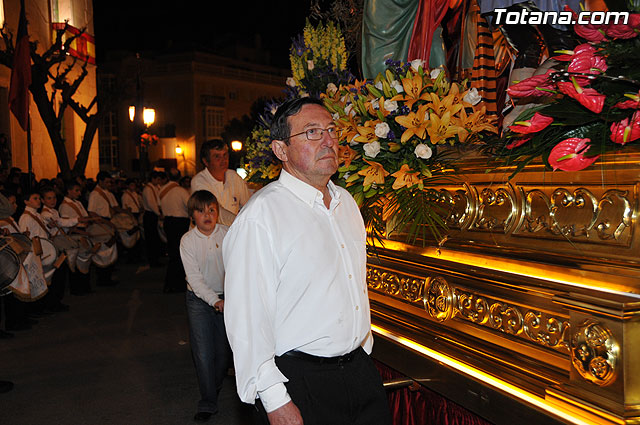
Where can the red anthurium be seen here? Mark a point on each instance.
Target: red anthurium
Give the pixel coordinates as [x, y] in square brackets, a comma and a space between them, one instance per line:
[590, 32]
[518, 142]
[632, 103]
[630, 30]
[538, 85]
[536, 123]
[626, 130]
[568, 55]
[568, 155]
[587, 63]
[589, 98]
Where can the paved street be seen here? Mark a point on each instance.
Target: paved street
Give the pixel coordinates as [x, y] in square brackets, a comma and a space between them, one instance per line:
[120, 356]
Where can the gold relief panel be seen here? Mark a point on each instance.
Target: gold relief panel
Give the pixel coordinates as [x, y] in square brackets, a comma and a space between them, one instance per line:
[595, 353]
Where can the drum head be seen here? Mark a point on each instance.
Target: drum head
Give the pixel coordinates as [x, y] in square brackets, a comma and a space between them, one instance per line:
[9, 264]
[20, 244]
[100, 232]
[64, 242]
[49, 252]
[124, 221]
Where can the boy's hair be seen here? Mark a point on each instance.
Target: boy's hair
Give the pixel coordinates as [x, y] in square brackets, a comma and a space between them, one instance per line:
[46, 189]
[199, 200]
[29, 193]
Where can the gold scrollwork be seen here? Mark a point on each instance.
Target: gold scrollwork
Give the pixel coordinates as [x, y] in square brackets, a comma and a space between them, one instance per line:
[473, 308]
[573, 213]
[438, 298]
[390, 283]
[506, 318]
[536, 211]
[546, 330]
[497, 209]
[595, 353]
[614, 215]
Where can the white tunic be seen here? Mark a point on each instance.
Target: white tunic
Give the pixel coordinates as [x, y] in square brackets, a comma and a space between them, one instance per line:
[231, 195]
[173, 200]
[100, 201]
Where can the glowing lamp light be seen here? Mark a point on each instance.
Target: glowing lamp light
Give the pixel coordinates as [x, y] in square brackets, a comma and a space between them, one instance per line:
[132, 113]
[178, 150]
[236, 145]
[148, 116]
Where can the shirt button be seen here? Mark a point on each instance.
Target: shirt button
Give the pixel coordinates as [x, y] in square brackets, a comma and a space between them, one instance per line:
[349, 276]
[342, 245]
[357, 308]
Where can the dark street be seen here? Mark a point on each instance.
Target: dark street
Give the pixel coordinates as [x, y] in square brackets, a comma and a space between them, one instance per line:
[120, 356]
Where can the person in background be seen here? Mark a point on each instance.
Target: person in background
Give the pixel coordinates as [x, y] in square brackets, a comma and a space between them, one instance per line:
[227, 186]
[296, 304]
[201, 254]
[102, 203]
[173, 203]
[132, 201]
[152, 213]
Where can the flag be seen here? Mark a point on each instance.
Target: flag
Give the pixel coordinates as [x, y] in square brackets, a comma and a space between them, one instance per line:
[21, 73]
[82, 47]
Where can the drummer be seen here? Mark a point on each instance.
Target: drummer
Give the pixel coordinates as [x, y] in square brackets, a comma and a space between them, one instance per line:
[132, 202]
[57, 225]
[103, 203]
[79, 282]
[151, 205]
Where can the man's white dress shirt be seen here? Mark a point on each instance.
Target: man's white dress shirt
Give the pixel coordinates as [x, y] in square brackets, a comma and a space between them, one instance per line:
[72, 208]
[295, 280]
[31, 221]
[173, 200]
[132, 201]
[202, 260]
[100, 201]
[232, 195]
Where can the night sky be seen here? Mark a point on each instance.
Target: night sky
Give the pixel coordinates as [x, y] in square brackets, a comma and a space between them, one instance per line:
[142, 25]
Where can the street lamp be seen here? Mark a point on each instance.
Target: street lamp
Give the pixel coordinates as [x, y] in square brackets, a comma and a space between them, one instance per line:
[148, 115]
[236, 145]
[178, 150]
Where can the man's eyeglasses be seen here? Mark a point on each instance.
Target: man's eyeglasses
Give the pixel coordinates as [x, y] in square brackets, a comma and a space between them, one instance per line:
[316, 133]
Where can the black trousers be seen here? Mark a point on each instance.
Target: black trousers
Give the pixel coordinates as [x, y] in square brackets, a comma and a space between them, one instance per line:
[175, 227]
[152, 239]
[349, 393]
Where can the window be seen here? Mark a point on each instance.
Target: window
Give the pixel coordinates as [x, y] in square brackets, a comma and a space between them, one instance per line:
[61, 11]
[108, 142]
[213, 122]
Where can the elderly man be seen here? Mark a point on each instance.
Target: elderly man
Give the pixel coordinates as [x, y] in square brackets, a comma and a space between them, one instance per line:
[296, 304]
[225, 184]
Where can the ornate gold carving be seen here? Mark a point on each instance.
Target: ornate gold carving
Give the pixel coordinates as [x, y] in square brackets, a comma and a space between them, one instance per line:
[497, 209]
[595, 353]
[438, 299]
[405, 287]
[545, 329]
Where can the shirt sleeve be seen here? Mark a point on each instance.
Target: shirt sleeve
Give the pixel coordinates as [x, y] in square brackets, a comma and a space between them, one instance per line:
[249, 313]
[196, 183]
[149, 199]
[194, 275]
[93, 204]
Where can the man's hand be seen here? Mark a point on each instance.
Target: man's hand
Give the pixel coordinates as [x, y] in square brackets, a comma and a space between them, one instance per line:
[219, 306]
[285, 415]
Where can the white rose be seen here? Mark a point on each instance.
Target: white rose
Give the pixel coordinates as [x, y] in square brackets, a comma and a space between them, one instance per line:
[378, 85]
[382, 129]
[390, 105]
[353, 141]
[416, 64]
[372, 149]
[331, 89]
[423, 151]
[291, 82]
[472, 97]
[395, 84]
[435, 72]
[310, 65]
[349, 110]
[375, 104]
[274, 110]
[335, 116]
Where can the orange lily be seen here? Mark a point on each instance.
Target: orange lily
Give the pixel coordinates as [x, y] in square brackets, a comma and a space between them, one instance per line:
[375, 173]
[367, 134]
[446, 104]
[412, 91]
[404, 177]
[346, 155]
[479, 121]
[415, 123]
[441, 128]
[347, 128]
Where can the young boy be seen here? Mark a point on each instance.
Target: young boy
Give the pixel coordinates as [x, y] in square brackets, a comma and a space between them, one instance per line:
[201, 253]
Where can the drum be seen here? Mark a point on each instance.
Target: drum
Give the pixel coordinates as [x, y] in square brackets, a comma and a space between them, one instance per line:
[20, 244]
[128, 230]
[64, 243]
[85, 253]
[49, 254]
[9, 264]
[103, 234]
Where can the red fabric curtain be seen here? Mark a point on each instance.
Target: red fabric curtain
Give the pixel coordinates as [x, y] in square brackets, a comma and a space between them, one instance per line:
[430, 14]
[423, 406]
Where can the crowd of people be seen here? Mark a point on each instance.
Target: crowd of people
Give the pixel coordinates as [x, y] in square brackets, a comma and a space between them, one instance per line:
[274, 280]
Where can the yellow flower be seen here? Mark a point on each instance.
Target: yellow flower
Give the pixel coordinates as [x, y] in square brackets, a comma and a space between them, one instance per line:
[415, 123]
[446, 104]
[441, 128]
[347, 128]
[346, 155]
[479, 121]
[375, 173]
[405, 178]
[273, 171]
[412, 91]
[367, 134]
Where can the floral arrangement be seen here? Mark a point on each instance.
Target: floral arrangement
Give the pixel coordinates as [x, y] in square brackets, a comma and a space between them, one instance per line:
[318, 61]
[586, 105]
[147, 139]
[396, 134]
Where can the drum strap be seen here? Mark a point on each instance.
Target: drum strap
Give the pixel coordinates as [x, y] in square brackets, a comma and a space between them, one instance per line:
[11, 222]
[104, 196]
[74, 207]
[37, 219]
[133, 197]
[55, 230]
[167, 189]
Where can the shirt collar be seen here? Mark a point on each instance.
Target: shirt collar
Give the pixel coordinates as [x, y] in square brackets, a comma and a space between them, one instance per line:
[210, 176]
[202, 235]
[31, 210]
[307, 193]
